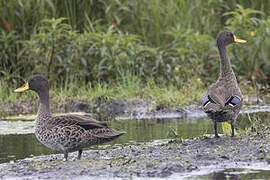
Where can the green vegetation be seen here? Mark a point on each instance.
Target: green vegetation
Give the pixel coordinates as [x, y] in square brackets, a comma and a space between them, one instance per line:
[140, 48]
[256, 124]
[129, 87]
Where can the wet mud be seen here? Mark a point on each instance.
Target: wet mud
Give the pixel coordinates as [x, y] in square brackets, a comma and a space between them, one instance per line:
[159, 159]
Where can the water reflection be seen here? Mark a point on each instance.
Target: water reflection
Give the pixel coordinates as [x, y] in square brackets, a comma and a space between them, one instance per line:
[16, 127]
[14, 147]
[235, 174]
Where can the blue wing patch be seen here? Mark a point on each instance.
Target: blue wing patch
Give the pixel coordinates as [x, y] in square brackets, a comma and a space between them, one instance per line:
[234, 100]
[206, 100]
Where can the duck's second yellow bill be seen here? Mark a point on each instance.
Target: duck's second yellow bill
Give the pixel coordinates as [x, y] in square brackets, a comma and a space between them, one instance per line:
[24, 88]
[238, 40]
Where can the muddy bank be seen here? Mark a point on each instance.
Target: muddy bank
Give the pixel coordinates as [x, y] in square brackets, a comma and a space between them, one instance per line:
[100, 107]
[170, 158]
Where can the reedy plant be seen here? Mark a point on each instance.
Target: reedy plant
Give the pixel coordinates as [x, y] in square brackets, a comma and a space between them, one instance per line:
[47, 48]
[58, 50]
[100, 40]
[255, 123]
[252, 60]
[11, 55]
[23, 16]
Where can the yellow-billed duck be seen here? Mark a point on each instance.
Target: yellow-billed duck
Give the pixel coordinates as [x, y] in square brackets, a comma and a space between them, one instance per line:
[66, 133]
[223, 99]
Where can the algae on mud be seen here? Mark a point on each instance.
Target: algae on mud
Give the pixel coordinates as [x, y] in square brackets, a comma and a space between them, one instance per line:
[165, 159]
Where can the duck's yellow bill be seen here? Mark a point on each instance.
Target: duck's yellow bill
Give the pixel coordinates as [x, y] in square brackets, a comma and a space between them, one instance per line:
[24, 88]
[238, 40]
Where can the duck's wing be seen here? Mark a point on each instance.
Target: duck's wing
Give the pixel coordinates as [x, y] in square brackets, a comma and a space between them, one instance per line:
[86, 122]
[233, 101]
[213, 99]
[220, 97]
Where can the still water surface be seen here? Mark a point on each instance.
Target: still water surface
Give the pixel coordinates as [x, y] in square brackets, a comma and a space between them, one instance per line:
[17, 140]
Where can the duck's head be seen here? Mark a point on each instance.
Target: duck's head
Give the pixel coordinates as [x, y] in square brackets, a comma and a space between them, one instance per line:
[36, 83]
[226, 37]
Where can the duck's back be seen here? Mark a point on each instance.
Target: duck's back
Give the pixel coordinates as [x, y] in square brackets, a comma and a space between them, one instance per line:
[73, 132]
[223, 100]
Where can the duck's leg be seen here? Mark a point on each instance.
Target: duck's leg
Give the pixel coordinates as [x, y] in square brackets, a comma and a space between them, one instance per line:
[232, 126]
[79, 153]
[215, 127]
[65, 155]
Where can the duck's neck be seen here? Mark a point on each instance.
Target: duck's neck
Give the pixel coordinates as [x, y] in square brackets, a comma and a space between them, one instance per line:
[44, 106]
[225, 64]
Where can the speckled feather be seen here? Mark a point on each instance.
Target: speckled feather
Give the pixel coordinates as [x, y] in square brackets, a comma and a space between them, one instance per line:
[72, 132]
[221, 92]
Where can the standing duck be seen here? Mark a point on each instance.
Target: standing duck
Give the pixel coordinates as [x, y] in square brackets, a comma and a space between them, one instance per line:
[65, 133]
[223, 99]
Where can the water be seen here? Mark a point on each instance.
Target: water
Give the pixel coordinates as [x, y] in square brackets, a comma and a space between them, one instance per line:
[17, 140]
[233, 173]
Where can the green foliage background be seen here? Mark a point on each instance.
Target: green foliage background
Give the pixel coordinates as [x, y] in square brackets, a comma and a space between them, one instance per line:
[103, 40]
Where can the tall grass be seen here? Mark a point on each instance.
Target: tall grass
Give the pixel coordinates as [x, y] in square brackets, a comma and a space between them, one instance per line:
[149, 19]
[130, 86]
[102, 41]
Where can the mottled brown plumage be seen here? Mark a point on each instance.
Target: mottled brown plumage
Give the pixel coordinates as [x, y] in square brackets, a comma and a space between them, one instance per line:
[65, 133]
[223, 99]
